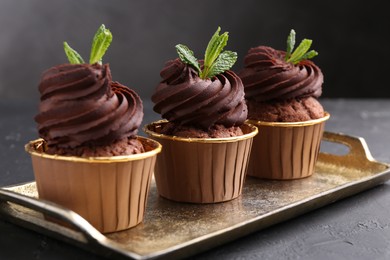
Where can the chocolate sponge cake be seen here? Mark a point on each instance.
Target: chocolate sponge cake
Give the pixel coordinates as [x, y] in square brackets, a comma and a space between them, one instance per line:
[217, 131]
[186, 100]
[89, 158]
[293, 110]
[84, 113]
[205, 136]
[279, 90]
[282, 90]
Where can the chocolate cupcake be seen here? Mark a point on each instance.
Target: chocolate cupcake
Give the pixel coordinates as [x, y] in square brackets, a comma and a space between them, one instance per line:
[282, 90]
[89, 149]
[84, 113]
[205, 138]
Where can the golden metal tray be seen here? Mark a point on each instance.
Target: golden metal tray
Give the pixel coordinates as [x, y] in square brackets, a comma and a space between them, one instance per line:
[178, 230]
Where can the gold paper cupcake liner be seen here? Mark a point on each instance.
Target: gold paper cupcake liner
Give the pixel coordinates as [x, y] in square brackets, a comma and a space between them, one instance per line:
[201, 170]
[109, 192]
[286, 150]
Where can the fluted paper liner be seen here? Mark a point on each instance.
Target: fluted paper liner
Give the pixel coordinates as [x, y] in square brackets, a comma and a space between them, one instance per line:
[286, 151]
[201, 170]
[109, 192]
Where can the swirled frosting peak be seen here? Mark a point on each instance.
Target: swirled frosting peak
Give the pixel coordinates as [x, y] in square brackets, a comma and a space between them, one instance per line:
[80, 105]
[184, 98]
[267, 76]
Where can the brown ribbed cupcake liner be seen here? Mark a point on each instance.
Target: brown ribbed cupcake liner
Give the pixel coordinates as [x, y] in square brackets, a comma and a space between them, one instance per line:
[201, 170]
[286, 151]
[109, 192]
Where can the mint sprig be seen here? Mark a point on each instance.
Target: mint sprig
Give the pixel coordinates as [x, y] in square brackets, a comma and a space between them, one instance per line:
[301, 52]
[187, 56]
[73, 56]
[224, 62]
[215, 61]
[100, 43]
[290, 43]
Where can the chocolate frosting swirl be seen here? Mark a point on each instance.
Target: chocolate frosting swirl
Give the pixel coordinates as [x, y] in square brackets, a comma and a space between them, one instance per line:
[184, 98]
[80, 105]
[267, 76]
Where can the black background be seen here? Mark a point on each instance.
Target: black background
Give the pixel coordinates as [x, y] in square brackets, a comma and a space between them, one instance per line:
[350, 36]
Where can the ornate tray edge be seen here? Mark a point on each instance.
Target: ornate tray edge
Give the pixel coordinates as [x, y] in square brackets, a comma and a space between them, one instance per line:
[99, 244]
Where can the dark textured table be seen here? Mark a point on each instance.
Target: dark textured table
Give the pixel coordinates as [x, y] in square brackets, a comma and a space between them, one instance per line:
[357, 227]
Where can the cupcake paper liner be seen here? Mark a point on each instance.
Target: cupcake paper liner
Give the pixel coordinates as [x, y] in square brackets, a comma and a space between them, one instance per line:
[284, 150]
[201, 170]
[109, 192]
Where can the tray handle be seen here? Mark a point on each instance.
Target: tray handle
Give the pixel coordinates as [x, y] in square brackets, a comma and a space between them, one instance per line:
[89, 234]
[358, 156]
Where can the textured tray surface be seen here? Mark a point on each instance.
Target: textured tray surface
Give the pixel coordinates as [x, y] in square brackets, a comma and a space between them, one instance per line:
[181, 229]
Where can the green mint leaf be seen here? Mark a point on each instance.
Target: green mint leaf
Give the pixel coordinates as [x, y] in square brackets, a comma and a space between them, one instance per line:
[187, 56]
[309, 55]
[100, 44]
[214, 48]
[73, 56]
[215, 61]
[303, 47]
[290, 43]
[301, 52]
[223, 63]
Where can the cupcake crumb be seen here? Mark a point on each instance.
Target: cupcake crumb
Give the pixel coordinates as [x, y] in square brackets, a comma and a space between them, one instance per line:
[125, 146]
[294, 110]
[216, 131]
